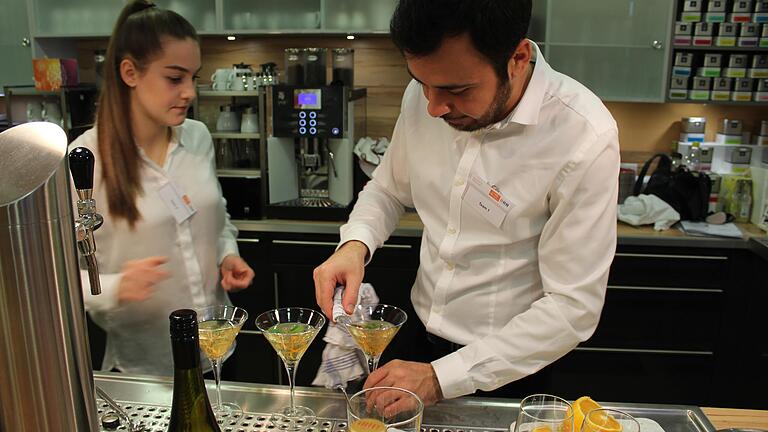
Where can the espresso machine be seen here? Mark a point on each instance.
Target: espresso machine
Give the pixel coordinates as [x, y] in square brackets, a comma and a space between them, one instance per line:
[45, 362]
[312, 128]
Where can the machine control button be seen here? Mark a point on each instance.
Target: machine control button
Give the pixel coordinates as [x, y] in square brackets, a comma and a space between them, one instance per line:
[312, 131]
[302, 114]
[312, 114]
[312, 122]
[303, 130]
[335, 131]
[303, 122]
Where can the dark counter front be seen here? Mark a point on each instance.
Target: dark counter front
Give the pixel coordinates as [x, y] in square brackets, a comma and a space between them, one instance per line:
[682, 323]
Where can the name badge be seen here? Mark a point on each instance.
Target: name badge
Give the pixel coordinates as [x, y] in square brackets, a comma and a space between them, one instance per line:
[487, 200]
[177, 201]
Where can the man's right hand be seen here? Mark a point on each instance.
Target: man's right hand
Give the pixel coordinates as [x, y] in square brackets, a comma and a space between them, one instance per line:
[345, 267]
[139, 278]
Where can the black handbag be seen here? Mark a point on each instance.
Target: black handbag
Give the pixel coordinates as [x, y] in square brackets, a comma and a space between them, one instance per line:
[686, 191]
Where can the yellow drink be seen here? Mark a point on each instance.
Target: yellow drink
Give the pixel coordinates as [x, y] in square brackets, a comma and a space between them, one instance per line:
[372, 336]
[367, 425]
[216, 336]
[290, 340]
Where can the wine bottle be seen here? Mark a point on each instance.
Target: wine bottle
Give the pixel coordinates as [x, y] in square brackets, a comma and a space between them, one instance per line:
[191, 411]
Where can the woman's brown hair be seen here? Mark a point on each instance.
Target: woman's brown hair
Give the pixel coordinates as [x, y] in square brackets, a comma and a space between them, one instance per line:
[137, 36]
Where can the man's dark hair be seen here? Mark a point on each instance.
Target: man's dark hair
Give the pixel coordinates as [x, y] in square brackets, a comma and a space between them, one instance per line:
[495, 27]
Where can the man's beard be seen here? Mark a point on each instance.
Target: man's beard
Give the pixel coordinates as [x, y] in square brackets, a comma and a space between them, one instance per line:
[495, 113]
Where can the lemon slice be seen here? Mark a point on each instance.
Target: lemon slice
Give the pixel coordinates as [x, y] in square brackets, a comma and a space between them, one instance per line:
[367, 425]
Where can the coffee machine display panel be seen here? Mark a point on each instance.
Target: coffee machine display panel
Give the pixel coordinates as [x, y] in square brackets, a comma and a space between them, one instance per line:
[307, 99]
[309, 112]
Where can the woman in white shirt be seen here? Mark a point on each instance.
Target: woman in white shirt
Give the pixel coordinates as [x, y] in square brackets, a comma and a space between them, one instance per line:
[154, 255]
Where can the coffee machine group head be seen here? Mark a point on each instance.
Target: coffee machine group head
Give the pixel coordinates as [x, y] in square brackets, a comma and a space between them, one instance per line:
[310, 139]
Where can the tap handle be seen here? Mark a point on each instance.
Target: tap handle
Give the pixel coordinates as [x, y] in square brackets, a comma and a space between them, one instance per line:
[81, 163]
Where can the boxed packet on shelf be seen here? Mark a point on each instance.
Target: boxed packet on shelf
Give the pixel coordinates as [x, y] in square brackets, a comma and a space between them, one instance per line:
[53, 73]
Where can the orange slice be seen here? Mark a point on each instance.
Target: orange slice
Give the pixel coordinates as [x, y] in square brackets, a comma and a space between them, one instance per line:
[581, 407]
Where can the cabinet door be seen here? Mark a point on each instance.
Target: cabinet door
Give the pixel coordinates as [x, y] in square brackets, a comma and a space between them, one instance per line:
[358, 15]
[634, 376]
[16, 67]
[254, 360]
[75, 17]
[270, 15]
[295, 288]
[200, 13]
[624, 57]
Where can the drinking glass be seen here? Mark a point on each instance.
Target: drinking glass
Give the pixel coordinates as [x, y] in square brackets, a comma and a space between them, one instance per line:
[217, 328]
[544, 413]
[382, 409]
[290, 331]
[609, 420]
[372, 328]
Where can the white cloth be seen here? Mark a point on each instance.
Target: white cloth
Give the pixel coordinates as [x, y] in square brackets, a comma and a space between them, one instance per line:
[370, 152]
[522, 294]
[342, 361]
[648, 209]
[137, 334]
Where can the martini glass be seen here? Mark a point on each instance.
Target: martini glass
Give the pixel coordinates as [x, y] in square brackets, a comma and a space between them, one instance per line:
[290, 331]
[373, 327]
[217, 328]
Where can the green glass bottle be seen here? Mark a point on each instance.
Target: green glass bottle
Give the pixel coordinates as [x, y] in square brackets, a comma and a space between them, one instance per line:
[191, 411]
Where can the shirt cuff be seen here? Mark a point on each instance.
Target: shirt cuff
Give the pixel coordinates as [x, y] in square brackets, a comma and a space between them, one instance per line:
[362, 235]
[453, 376]
[105, 301]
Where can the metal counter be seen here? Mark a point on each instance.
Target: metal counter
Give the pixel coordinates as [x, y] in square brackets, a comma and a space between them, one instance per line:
[148, 399]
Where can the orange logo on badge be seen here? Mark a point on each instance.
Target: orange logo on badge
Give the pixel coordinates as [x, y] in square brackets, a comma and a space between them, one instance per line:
[186, 200]
[495, 195]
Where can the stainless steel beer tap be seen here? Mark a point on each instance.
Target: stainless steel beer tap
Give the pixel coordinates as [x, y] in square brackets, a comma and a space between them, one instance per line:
[81, 162]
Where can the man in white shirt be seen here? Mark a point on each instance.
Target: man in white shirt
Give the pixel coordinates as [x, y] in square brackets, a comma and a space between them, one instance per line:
[513, 169]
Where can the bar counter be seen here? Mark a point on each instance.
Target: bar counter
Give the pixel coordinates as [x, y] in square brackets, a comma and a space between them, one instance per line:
[148, 399]
[410, 226]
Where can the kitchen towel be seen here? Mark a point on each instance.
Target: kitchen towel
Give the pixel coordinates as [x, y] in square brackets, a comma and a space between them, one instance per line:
[648, 209]
[342, 361]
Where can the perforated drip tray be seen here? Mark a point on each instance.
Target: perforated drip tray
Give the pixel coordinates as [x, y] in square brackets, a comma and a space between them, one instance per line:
[155, 419]
[147, 399]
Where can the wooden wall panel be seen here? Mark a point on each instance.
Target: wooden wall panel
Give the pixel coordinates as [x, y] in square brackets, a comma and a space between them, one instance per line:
[644, 128]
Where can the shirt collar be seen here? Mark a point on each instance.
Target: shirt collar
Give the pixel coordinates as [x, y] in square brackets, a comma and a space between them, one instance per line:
[527, 110]
[174, 144]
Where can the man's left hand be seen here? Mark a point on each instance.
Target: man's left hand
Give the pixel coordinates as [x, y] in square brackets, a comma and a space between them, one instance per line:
[236, 274]
[419, 378]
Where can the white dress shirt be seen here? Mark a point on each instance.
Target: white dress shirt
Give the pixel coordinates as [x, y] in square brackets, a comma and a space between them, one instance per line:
[522, 292]
[138, 338]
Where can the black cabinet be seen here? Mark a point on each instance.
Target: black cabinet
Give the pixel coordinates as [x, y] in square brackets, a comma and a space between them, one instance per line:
[680, 325]
[672, 330]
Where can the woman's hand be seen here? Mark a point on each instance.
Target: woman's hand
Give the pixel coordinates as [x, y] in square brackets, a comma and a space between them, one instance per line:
[236, 274]
[139, 278]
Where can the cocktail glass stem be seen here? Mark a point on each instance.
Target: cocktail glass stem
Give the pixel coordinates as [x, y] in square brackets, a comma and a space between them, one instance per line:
[291, 370]
[373, 363]
[216, 364]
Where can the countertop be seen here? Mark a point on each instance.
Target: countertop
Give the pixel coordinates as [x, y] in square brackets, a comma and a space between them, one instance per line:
[410, 226]
[723, 418]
